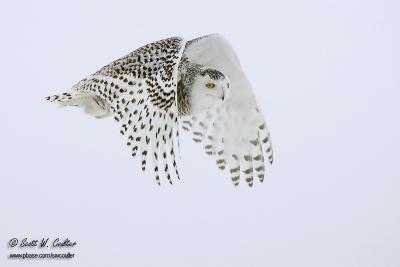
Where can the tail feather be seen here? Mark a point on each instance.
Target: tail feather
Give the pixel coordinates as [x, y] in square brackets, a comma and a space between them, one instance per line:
[62, 99]
[92, 104]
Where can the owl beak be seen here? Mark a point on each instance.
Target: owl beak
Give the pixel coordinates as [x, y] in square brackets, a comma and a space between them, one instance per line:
[223, 95]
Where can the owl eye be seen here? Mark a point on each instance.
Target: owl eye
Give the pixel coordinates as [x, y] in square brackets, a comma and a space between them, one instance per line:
[210, 85]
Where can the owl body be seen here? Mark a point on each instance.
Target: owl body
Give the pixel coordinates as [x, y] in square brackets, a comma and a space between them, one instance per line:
[172, 84]
[192, 94]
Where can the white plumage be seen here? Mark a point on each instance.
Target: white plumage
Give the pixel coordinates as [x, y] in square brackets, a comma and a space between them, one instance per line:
[199, 85]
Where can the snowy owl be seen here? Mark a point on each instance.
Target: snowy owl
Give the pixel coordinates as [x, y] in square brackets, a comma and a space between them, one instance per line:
[199, 86]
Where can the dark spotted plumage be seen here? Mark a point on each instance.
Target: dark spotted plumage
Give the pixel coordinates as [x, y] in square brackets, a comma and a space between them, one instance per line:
[147, 91]
[213, 73]
[183, 103]
[139, 91]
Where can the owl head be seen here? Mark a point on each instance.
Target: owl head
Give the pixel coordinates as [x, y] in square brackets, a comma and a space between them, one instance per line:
[208, 89]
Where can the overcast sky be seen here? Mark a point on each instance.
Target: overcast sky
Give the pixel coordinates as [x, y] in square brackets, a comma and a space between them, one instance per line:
[326, 74]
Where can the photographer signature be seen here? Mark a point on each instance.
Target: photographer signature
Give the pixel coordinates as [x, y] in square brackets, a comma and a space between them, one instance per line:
[42, 243]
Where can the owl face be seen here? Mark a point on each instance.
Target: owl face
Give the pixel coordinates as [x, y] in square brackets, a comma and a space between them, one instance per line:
[209, 88]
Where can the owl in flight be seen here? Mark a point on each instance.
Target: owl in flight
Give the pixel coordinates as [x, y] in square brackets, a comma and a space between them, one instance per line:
[198, 86]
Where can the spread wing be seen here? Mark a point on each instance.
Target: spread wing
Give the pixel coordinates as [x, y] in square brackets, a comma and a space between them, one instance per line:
[140, 91]
[235, 132]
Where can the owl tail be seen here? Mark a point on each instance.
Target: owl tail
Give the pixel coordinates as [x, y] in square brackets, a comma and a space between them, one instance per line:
[65, 99]
[92, 104]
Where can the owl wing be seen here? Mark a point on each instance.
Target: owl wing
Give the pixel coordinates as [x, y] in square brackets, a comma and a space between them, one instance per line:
[139, 90]
[235, 132]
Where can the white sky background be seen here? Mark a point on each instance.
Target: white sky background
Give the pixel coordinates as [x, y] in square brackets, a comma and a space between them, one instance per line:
[326, 74]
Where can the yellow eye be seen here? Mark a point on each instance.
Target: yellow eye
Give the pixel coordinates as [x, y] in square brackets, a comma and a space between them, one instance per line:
[210, 85]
